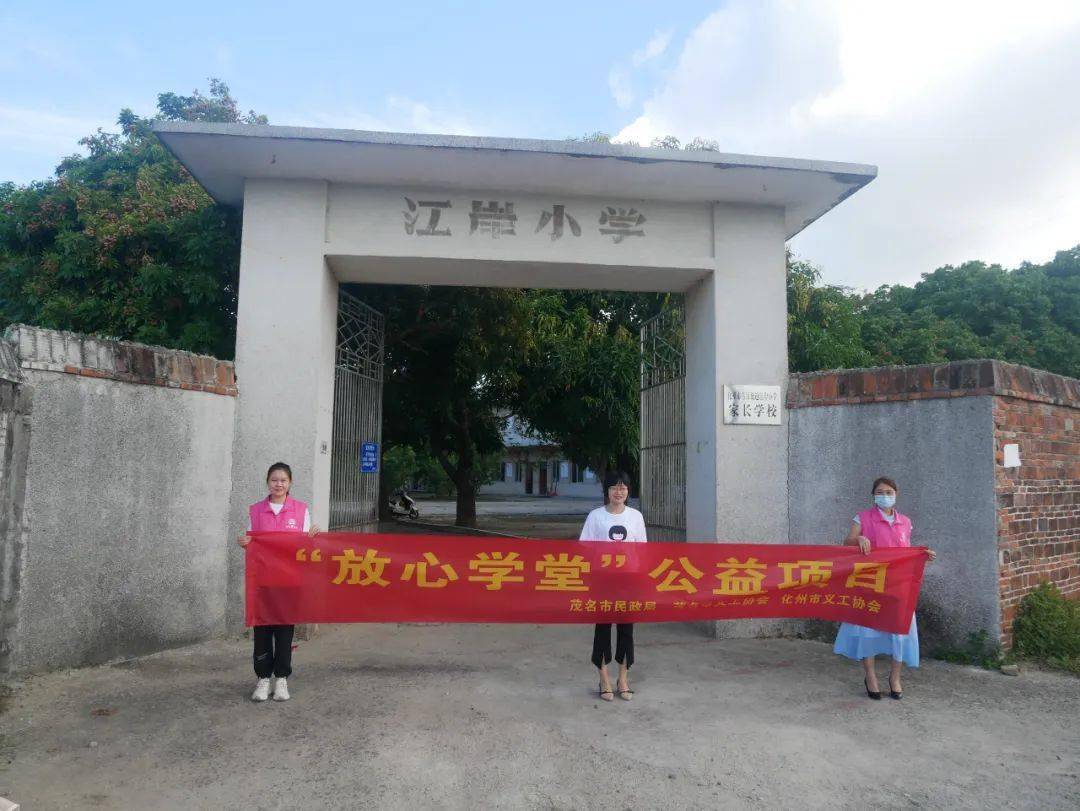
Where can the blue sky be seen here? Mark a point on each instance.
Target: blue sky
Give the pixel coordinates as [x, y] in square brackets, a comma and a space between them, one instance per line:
[962, 105]
[484, 67]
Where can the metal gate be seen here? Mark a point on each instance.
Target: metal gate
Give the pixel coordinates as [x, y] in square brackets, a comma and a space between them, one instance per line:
[663, 426]
[358, 387]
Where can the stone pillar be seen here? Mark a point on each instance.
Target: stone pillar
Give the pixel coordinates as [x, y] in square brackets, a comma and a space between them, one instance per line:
[285, 339]
[736, 333]
[702, 411]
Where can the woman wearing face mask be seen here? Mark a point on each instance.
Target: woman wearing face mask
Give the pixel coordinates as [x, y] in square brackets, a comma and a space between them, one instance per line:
[614, 522]
[880, 527]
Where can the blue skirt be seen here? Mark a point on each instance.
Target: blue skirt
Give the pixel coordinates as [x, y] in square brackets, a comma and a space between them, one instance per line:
[857, 642]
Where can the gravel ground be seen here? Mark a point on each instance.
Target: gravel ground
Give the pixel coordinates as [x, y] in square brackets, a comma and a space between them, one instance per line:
[477, 716]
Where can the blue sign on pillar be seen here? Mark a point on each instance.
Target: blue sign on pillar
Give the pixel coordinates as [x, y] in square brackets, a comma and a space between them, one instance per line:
[369, 457]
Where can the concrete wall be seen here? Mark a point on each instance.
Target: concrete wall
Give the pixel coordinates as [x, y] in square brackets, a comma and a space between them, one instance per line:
[736, 333]
[126, 501]
[285, 339]
[940, 452]
[14, 446]
[1001, 527]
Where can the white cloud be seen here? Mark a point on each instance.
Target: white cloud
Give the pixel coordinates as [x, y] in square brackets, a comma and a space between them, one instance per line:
[423, 118]
[653, 49]
[34, 141]
[967, 108]
[619, 82]
[621, 77]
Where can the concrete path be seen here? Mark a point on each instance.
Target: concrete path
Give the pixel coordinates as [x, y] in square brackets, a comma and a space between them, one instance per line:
[472, 716]
[511, 506]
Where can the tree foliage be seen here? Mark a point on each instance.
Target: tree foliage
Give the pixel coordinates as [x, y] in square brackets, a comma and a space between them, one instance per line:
[579, 386]
[452, 365]
[1030, 315]
[123, 242]
[458, 359]
[824, 325]
[661, 142]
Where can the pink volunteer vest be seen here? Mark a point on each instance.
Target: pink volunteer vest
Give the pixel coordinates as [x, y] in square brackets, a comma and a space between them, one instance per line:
[883, 534]
[290, 519]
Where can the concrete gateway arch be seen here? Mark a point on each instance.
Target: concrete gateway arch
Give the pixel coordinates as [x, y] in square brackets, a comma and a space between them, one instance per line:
[322, 207]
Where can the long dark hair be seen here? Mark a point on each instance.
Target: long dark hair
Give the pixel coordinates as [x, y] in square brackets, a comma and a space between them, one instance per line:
[614, 477]
[282, 467]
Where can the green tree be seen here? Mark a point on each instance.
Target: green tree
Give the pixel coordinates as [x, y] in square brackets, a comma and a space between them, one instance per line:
[123, 242]
[579, 386]
[662, 142]
[1030, 315]
[823, 322]
[452, 360]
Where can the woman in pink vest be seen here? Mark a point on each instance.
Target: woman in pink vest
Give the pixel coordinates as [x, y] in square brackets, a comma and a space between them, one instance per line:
[876, 528]
[278, 512]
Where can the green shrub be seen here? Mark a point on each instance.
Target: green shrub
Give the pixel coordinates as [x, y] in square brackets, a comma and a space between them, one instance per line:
[1047, 628]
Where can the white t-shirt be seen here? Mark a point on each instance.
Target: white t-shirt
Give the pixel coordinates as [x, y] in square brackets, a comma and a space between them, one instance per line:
[601, 525]
[277, 509]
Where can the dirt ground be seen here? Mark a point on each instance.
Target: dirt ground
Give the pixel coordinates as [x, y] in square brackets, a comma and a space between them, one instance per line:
[478, 716]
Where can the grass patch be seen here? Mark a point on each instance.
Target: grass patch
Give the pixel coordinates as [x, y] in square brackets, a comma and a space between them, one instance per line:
[1047, 629]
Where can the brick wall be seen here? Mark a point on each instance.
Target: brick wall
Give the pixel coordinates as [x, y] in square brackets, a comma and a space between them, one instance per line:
[1038, 502]
[964, 378]
[71, 353]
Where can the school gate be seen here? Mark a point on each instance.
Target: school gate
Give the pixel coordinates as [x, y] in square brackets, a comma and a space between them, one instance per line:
[326, 207]
[663, 432]
[357, 435]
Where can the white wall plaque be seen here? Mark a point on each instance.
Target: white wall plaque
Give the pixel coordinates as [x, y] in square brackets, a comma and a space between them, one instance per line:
[752, 405]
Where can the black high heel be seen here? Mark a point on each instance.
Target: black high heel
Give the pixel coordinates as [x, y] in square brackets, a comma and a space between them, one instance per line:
[874, 694]
[897, 694]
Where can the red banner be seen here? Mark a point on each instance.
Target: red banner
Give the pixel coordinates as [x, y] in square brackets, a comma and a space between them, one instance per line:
[346, 577]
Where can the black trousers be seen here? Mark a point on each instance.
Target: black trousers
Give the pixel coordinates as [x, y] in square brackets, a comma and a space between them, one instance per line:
[273, 650]
[624, 645]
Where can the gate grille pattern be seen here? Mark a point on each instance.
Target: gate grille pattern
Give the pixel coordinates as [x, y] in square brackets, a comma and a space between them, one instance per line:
[663, 424]
[358, 383]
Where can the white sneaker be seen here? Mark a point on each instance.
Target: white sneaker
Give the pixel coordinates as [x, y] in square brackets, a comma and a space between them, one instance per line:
[281, 689]
[262, 690]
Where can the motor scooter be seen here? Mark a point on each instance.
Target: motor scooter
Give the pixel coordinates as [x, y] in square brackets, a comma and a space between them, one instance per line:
[401, 505]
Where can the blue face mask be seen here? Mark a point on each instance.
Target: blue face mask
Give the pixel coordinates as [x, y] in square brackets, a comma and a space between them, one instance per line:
[884, 502]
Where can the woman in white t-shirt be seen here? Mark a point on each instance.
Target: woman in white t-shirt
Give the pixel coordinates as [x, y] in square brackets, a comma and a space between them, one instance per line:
[614, 522]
